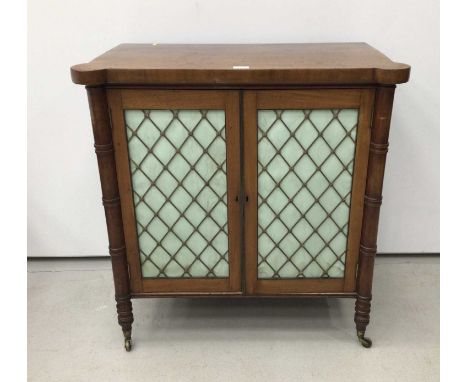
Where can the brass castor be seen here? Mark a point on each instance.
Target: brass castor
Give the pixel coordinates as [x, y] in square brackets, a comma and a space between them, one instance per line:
[128, 340]
[128, 344]
[365, 341]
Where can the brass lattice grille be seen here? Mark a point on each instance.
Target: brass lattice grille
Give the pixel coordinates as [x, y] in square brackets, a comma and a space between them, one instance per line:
[305, 169]
[178, 169]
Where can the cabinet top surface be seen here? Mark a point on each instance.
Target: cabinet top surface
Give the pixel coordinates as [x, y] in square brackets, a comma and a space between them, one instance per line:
[241, 64]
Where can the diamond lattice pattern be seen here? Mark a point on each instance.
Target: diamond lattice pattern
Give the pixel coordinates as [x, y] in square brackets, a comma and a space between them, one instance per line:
[305, 168]
[178, 168]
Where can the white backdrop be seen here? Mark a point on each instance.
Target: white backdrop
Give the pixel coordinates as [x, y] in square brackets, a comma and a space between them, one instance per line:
[65, 216]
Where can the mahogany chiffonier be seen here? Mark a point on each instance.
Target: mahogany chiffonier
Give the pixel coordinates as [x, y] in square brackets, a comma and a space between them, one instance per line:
[241, 170]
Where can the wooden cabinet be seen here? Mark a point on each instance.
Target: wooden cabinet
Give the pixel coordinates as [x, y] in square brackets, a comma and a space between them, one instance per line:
[241, 170]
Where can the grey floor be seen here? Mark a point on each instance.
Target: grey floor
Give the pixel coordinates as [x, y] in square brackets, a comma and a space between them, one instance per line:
[73, 333]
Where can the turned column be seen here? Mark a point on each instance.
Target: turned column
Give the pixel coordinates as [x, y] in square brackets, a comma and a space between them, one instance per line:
[372, 201]
[110, 198]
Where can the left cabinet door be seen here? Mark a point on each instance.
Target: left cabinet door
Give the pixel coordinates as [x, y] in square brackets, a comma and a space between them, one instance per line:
[178, 168]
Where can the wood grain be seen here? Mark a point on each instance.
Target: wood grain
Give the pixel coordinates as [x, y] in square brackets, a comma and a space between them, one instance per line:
[120, 100]
[111, 201]
[211, 64]
[372, 201]
[279, 76]
[358, 187]
[304, 99]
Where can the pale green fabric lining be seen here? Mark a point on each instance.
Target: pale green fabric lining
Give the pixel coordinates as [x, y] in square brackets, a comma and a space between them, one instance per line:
[302, 221]
[182, 216]
[178, 165]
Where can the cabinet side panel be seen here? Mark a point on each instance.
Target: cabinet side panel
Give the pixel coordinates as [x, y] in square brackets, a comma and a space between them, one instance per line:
[125, 187]
[358, 189]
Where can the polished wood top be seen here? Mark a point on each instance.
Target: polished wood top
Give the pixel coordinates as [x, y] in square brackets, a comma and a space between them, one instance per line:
[238, 65]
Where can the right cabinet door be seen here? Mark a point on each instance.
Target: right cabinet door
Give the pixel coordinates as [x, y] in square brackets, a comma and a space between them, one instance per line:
[305, 167]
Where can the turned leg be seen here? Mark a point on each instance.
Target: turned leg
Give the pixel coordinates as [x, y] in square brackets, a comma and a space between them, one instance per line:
[361, 318]
[125, 318]
[122, 296]
[110, 199]
[372, 201]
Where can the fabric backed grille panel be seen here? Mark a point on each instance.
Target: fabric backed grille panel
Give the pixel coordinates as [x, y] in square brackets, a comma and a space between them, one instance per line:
[305, 171]
[178, 170]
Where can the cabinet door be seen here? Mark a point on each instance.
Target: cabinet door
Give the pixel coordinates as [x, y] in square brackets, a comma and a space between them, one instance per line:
[305, 156]
[178, 169]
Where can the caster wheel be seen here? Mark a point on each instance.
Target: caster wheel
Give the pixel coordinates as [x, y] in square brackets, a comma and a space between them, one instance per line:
[128, 344]
[365, 341]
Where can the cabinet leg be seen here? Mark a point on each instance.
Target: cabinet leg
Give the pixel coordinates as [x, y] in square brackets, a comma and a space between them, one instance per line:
[372, 200]
[361, 318]
[104, 148]
[125, 317]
